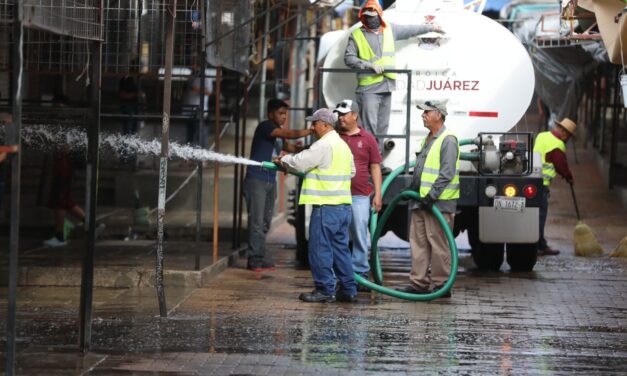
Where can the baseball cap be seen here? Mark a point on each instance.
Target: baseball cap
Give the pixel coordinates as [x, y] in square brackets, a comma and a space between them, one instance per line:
[346, 106]
[324, 115]
[433, 105]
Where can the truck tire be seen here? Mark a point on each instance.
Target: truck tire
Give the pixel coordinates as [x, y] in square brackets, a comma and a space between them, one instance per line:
[522, 257]
[487, 256]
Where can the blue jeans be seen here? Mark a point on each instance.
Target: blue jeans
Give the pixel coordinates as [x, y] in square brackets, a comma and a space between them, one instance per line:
[359, 234]
[329, 256]
[260, 196]
[544, 211]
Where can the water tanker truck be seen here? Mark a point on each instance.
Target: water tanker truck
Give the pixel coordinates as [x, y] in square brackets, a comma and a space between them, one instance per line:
[487, 77]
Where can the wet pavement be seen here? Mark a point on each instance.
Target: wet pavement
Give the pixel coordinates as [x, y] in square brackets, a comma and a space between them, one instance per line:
[568, 316]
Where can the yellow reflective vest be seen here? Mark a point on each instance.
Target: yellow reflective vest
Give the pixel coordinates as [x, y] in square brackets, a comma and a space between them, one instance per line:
[388, 60]
[330, 186]
[545, 143]
[431, 170]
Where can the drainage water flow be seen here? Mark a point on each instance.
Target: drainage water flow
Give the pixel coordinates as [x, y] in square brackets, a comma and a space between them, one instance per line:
[43, 137]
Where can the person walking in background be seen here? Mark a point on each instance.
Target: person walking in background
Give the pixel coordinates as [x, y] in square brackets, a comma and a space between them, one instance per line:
[436, 179]
[60, 200]
[372, 47]
[552, 146]
[191, 101]
[328, 167]
[367, 160]
[260, 183]
[130, 99]
[5, 150]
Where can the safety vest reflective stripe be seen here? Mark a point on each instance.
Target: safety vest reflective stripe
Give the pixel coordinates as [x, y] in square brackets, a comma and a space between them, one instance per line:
[327, 177]
[431, 170]
[331, 186]
[430, 184]
[317, 192]
[545, 143]
[387, 59]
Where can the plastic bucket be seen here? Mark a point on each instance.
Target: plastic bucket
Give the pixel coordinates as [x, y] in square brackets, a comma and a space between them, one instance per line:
[623, 84]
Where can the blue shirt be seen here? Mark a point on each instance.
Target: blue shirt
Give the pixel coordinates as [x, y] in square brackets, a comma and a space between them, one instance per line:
[263, 148]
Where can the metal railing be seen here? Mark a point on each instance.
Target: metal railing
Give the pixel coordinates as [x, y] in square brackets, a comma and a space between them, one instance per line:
[407, 72]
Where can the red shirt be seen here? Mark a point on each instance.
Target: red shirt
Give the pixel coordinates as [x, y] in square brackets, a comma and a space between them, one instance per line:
[365, 151]
[558, 158]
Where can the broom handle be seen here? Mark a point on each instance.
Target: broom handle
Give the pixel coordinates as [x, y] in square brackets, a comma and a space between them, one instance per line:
[572, 190]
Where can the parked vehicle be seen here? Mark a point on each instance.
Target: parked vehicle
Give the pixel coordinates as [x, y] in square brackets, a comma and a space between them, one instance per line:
[486, 75]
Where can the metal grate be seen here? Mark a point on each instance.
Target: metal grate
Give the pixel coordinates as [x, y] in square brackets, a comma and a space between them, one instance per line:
[225, 18]
[134, 35]
[75, 18]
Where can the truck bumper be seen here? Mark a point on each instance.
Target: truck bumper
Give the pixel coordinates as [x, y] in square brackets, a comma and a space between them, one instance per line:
[509, 227]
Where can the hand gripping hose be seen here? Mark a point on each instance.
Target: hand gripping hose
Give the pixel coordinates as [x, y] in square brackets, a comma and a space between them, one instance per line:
[376, 228]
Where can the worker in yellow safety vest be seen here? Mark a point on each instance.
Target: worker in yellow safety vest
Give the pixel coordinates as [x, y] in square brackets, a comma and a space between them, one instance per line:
[436, 178]
[328, 168]
[552, 147]
[371, 47]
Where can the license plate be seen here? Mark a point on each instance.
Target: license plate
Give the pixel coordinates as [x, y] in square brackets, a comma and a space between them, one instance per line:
[516, 204]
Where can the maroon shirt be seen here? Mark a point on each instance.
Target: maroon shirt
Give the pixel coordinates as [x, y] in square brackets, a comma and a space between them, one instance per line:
[558, 158]
[365, 151]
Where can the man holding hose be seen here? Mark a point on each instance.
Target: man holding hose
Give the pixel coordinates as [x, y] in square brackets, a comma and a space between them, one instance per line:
[436, 179]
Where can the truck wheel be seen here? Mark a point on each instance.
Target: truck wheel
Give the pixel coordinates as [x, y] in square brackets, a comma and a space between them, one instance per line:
[522, 257]
[487, 256]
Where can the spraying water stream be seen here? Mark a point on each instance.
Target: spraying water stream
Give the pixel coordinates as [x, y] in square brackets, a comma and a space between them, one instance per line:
[45, 137]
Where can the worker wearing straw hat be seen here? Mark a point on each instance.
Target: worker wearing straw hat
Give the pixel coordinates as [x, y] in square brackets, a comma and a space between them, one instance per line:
[552, 147]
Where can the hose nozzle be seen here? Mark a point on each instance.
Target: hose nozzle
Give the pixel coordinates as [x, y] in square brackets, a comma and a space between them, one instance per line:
[271, 166]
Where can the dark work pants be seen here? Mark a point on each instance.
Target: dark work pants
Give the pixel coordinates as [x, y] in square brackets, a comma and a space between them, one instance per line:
[544, 210]
[260, 196]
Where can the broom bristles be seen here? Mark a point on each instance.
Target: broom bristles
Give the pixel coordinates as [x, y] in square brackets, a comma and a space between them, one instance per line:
[586, 243]
[621, 249]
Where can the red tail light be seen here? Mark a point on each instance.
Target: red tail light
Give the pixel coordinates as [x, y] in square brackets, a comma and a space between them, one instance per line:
[530, 191]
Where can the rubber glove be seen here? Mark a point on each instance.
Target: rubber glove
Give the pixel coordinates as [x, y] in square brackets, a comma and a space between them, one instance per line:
[378, 69]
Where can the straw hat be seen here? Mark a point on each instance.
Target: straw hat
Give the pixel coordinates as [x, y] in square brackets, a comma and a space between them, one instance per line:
[567, 124]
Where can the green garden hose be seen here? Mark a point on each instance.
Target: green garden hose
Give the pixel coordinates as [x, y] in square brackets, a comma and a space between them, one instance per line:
[376, 233]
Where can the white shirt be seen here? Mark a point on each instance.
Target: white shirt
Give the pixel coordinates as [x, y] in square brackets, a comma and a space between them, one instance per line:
[319, 154]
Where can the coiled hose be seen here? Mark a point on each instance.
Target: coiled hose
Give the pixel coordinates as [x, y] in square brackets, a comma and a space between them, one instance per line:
[376, 227]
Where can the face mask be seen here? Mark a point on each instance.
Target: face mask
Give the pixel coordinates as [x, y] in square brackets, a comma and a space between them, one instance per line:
[372, 22]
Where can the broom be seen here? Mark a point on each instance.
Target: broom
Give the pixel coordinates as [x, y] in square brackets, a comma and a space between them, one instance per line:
[585, 242]
[621, 249]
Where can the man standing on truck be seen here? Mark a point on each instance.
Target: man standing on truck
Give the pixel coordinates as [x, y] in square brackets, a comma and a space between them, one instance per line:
[367, 158]
[328, 166]
[436, 178]
[372, 47]
[260, 183]
[552, 146]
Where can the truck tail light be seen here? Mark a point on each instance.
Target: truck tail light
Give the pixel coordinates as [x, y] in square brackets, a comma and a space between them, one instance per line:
[510, 190]
[530, 191]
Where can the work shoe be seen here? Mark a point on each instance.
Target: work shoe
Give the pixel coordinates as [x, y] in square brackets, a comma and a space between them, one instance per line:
[446, 294]
[316, 297]
[411, 289]
[361, 288]
[548, 251]
[259, 265]
[345, 298]
[53, 242]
